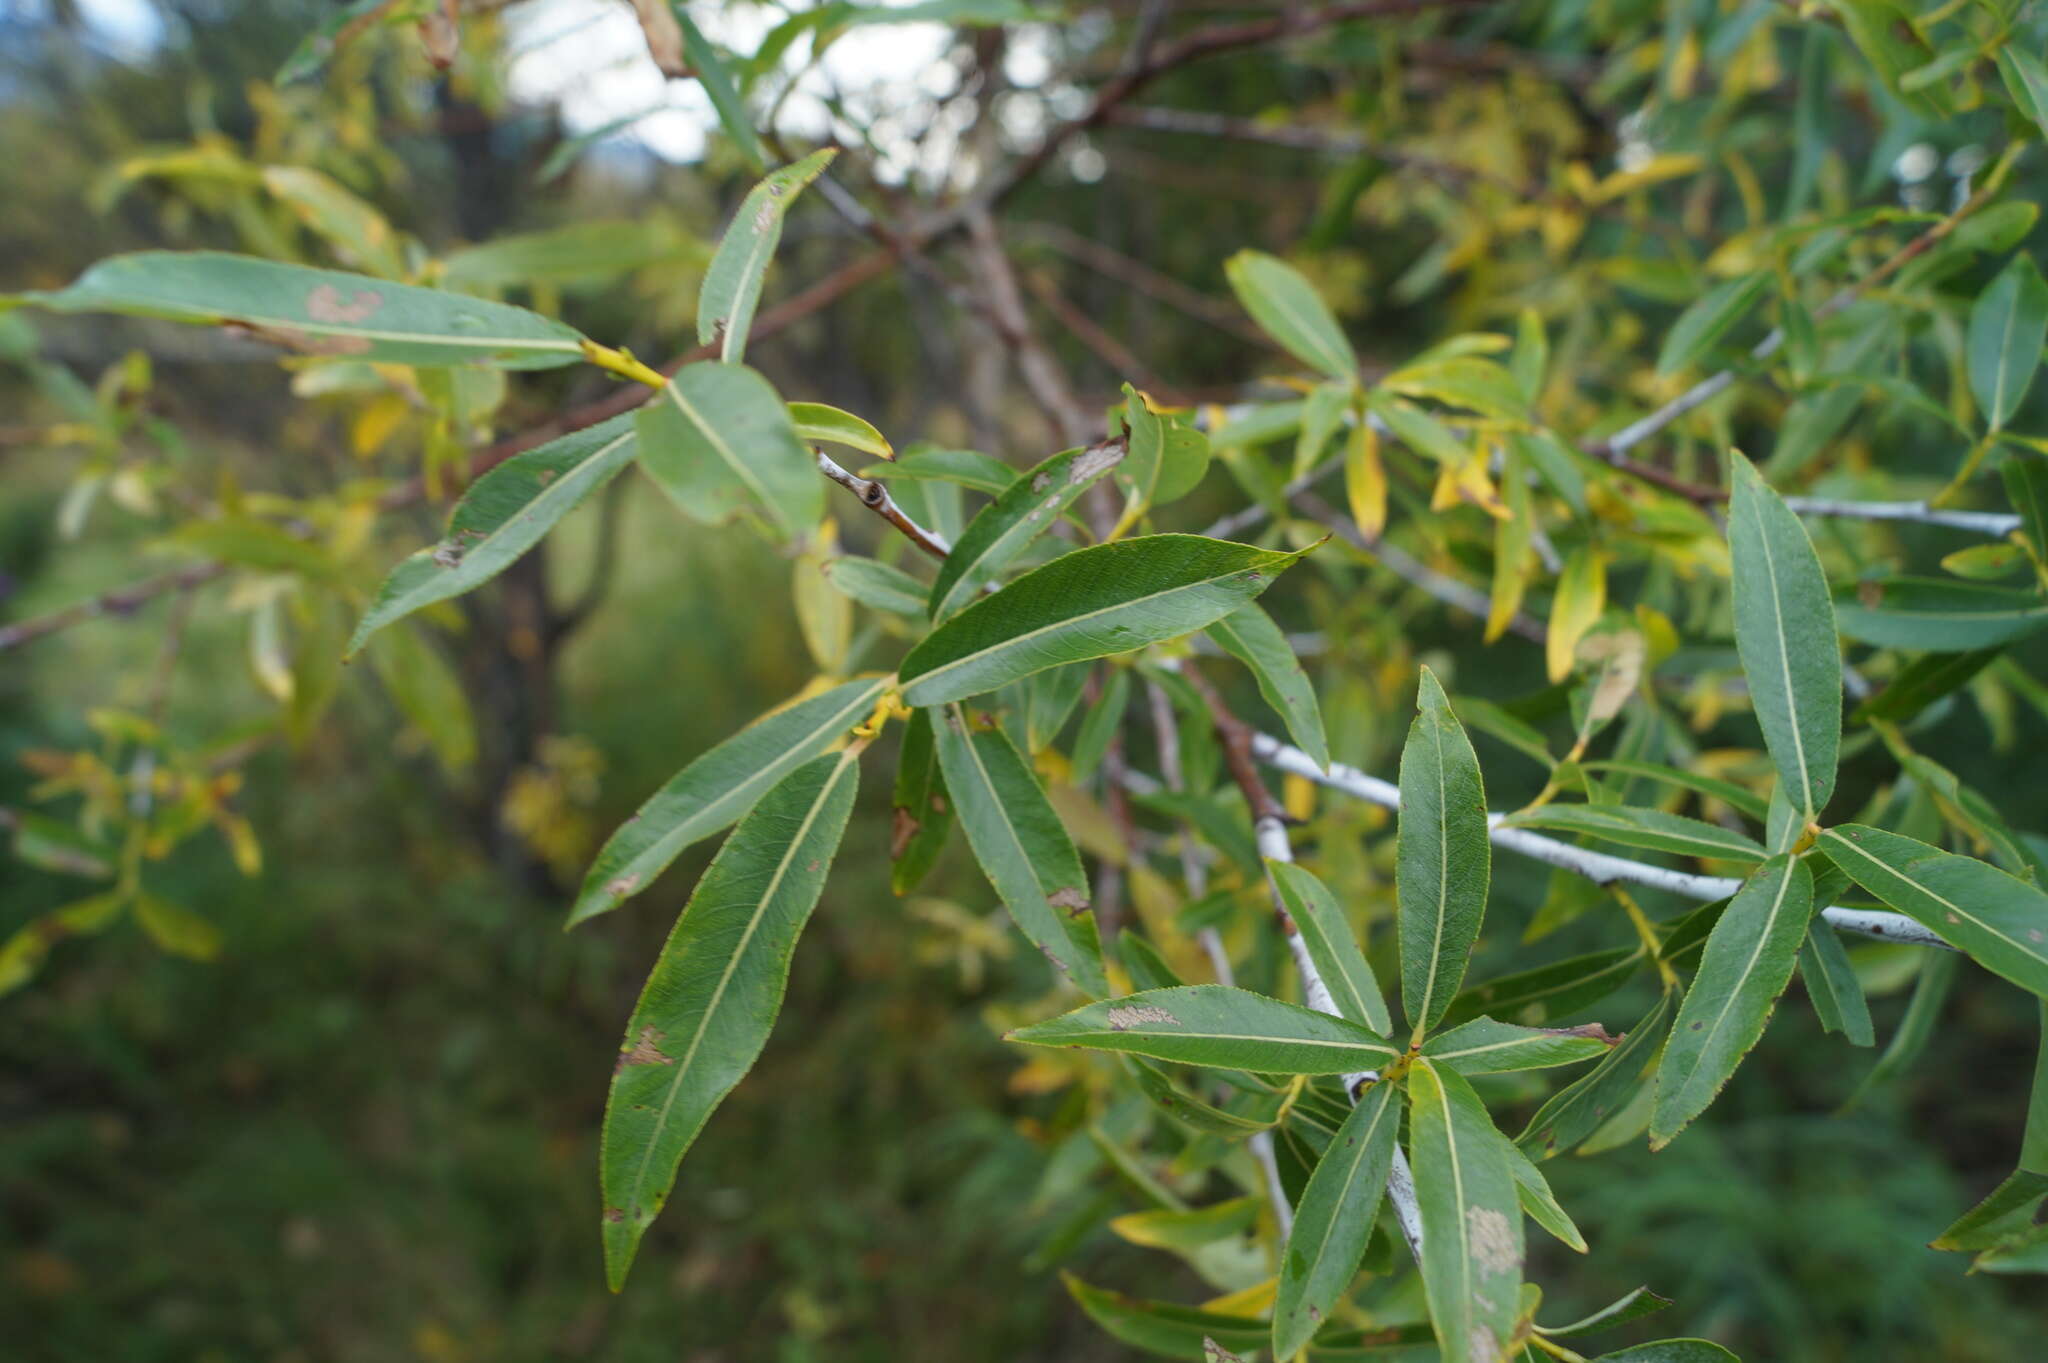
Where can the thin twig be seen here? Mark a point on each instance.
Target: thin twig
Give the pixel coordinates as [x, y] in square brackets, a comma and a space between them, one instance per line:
[123, 600]
[1410, 569]
[876, 498]
[1142, 278]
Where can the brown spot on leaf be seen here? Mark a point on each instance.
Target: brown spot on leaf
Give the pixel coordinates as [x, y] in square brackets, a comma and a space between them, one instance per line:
[327, 304]
[1492, 1240]
[1870, 594]
[901, 830]
[615, 1214]
[645, 1051]
[1124, 1018]
[1074, 901]
[620, 886]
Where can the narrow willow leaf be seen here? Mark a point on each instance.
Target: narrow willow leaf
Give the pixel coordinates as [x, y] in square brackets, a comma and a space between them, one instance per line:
[1023, 511]
[2005, 1209]
[1163, 1328]
[1483, 1046]
[717, 788]
[1217, 1027]
[1365, 480]
[709, 67]
[429, 694]
[1937, 978]
[732, 285]
[1050, 698]
[1575, 608]
[1462, 381]
[1923, 681]
[319, 312]
[719, 441]
[1576, 1111]
[1110, 598]
[1249, 635]
[1746, 965]
[1223, 825]
[1322, 415]
[2026, 487]
[1099, 723]
[1832, 986]
[2034, 1140]
[2026, 80]
[816, 421]
[970, 469]
[1531, 358]
[1287, 308]
[1443, 856]
[1534, 997]
[2008, 324]
[501, 516]
[1327, 935]
[1937, 614]
[247, 542]
[1739, 798]
[1021, 845]
[1333, 1219]
[1652, 828]
[1514, 561]
[1999, 920]
[1532, 1191]
[1637, 1304]
[362, 237]
[1143, 962]
[877, 585]
[1671, 1351]
[922, 815]
[1708, 318]
[53, 845]
[711, 1000]
[1785, 634]
[1419, 430]
[1471, 1217]
[316, 47]
[1247, 1114]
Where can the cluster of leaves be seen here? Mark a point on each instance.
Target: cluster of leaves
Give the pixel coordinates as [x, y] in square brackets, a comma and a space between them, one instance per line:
[1018, 638]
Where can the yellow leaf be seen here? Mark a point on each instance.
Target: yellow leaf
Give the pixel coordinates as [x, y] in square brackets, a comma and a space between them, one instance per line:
[1654, 171]
[1581, 596]
[1298, 796]
[1365, 480]
[1250, 1302]
[376, 423]
[824, 615]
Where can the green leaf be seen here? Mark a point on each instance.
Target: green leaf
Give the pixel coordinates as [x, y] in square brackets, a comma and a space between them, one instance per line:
[1050, 698]
[2034, 1140]
[829, 425]
[1708, 318]
[2008, 324]
[1217, 1027]
[711, 1000]
[316, 47]
[1552, 991]
[361, 236]
[1286, 307]
[1248, 1113]
[247, 542]
[1110, 598]
[176, 928]
[1327, 935]
[1419, 430]
[2026, 487]
[1334, 1218]
[1162, 1328]
[319, 312]
[574, 255]
[1740, 798]
[1249, 635]
[52, 845]
[2005, 1209]
[1999, 920]
[1023, 511]
[969, 468]
[429, 694]
[1462, 381]
[1260, 425]
[1651, 828]
[710, 71]
[1936, 614]
[719, 441]
[1164, 461]
[1443, 856]
[922, 816]
[1785, 634]
[1483, 1046]
[2026, 80]
[1637, 1304]
[1832, 986]
[717, 788]
[1671, 1351]
[1322, 416]
[877, 585]
[1923, 681]
[1021, 845]
[1748, 961]
[1471, 1216]
[1577, 1110]
[1099, 724]
[501, 516]
[1532, 1191]
[732, 286]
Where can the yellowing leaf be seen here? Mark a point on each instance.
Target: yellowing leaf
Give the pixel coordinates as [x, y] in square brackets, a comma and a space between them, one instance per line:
[1581, 596]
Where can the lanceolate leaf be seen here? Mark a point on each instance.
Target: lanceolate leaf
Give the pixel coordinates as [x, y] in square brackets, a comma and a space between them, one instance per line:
[923, 815]
[1702, 324]
[1532, 1191]
[1671, 1351]
[1637, 1304]
[1286, 307]
[1163, 1328]
[1111, 598]
[732, 286]
[877, 585]
[1220, 1028]
[1019, 841]
[1832, 985]
[1549, 991]
[501, 516]
[1923, 681]
[2007, 326]
[1026, 509]
[1483, 1046]
[1249, 635]
[1443, 856]
[1747, 963]
[718, 788]
[817, 421]
[1334, 1219]
[319, 312]
[1574, 1112]
[1651, 828]
[712, 998]
[718, 441]
[1785, 633]
[1327, 935]
[2001, 921]
[1471, 1217]
[1939, 614]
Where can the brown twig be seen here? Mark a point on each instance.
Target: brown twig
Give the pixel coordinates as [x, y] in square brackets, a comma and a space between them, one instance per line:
[123, 600]
[876, 498]
[1141, 277]
[1236, 737]
[1114, 354]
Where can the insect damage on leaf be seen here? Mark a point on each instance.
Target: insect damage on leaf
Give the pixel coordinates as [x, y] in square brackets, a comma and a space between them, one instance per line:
[1123, 1019]
[328, 304]
[645, 1050]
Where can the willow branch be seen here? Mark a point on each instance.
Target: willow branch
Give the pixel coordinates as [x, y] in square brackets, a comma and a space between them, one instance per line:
[120, 601]
[1598, 867]
[876, 498]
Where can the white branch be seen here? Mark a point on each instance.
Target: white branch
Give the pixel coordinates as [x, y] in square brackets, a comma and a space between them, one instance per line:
[1274, 846]
[1598, 867]
[1995, 524]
